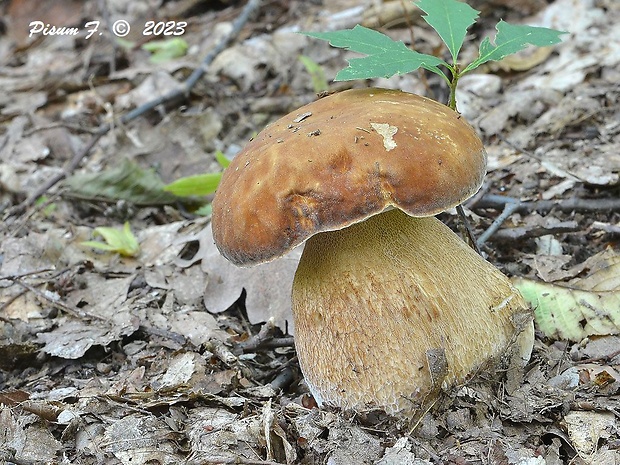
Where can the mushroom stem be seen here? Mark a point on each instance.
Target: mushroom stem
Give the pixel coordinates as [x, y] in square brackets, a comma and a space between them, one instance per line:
[391, 309]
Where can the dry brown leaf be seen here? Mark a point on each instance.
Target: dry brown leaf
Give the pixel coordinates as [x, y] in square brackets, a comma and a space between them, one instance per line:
[268, 286]
[605, 272]
[140, 439]
[585, 429]
[390, 13]
[13, 398]
[219, 436]
[522, 61]
[31, 442]
[181, 368]
[104, 298]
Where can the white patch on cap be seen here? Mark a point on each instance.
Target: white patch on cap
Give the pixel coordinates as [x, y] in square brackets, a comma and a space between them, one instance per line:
[387, 132]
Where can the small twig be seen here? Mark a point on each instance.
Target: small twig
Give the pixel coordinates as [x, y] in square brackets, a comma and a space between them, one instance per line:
[278, 342]
[540, 159]
[603, 358]
[229, 359]
[521, 233]
[265, 334]
[509, 209]
[177, 94]
[58, 304]
[511, 205]
[421, 416]
[608, 228]
[164, 333]
[58, 125]
[469, 233]
[239, 461]
[543, 206]
[16, 228]
[75, 161]
[284, 379]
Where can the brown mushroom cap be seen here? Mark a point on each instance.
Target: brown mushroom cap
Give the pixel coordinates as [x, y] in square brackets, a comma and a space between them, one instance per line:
[338, 161]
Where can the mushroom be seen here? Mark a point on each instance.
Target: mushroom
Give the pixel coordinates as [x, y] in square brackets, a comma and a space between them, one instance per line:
[389, 305]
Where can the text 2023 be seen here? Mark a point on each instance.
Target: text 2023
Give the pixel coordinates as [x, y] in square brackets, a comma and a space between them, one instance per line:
[167, 28]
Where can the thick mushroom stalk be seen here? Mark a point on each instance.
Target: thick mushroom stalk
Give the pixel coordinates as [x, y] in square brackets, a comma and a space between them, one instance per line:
[390, 309]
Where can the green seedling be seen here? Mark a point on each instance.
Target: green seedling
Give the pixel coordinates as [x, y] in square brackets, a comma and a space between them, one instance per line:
[450, 19]
[199, 185]
[121, 241]
[319, 82]
[48, 207]
[166, 50]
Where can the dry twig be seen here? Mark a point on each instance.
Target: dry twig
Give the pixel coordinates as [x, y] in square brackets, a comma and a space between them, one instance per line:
[544, 206]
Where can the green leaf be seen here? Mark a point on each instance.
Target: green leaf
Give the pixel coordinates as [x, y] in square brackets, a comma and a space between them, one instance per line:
[360, 39]
[221, 159]
[512, 39]
[165, 50]
[389, 64]
[450, 19]
[125, 181]
[205, 210]
[121, 241]
[200, 184]
[49, 209]
[125, 44]
[386, 57]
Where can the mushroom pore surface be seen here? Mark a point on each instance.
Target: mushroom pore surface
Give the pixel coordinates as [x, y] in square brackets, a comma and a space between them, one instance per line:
[390, 309]
[338, 161]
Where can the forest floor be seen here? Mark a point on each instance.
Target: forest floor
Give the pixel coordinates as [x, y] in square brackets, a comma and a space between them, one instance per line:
[173, 355]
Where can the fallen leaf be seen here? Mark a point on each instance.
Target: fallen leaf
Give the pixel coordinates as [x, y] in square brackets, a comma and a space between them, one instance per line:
[125, 181]
[606, 277]
[31, 443]
[180, 370]
[585, 429]
[522, 61]
[13, 398]
[219, 436]
[140, 439]
[268, 286]
[157, 84]
[567, 313]
[401, 453]
[102, 297]
[198, 327]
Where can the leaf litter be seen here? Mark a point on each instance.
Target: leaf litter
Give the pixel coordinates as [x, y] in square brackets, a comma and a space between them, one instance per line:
[164, 358]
